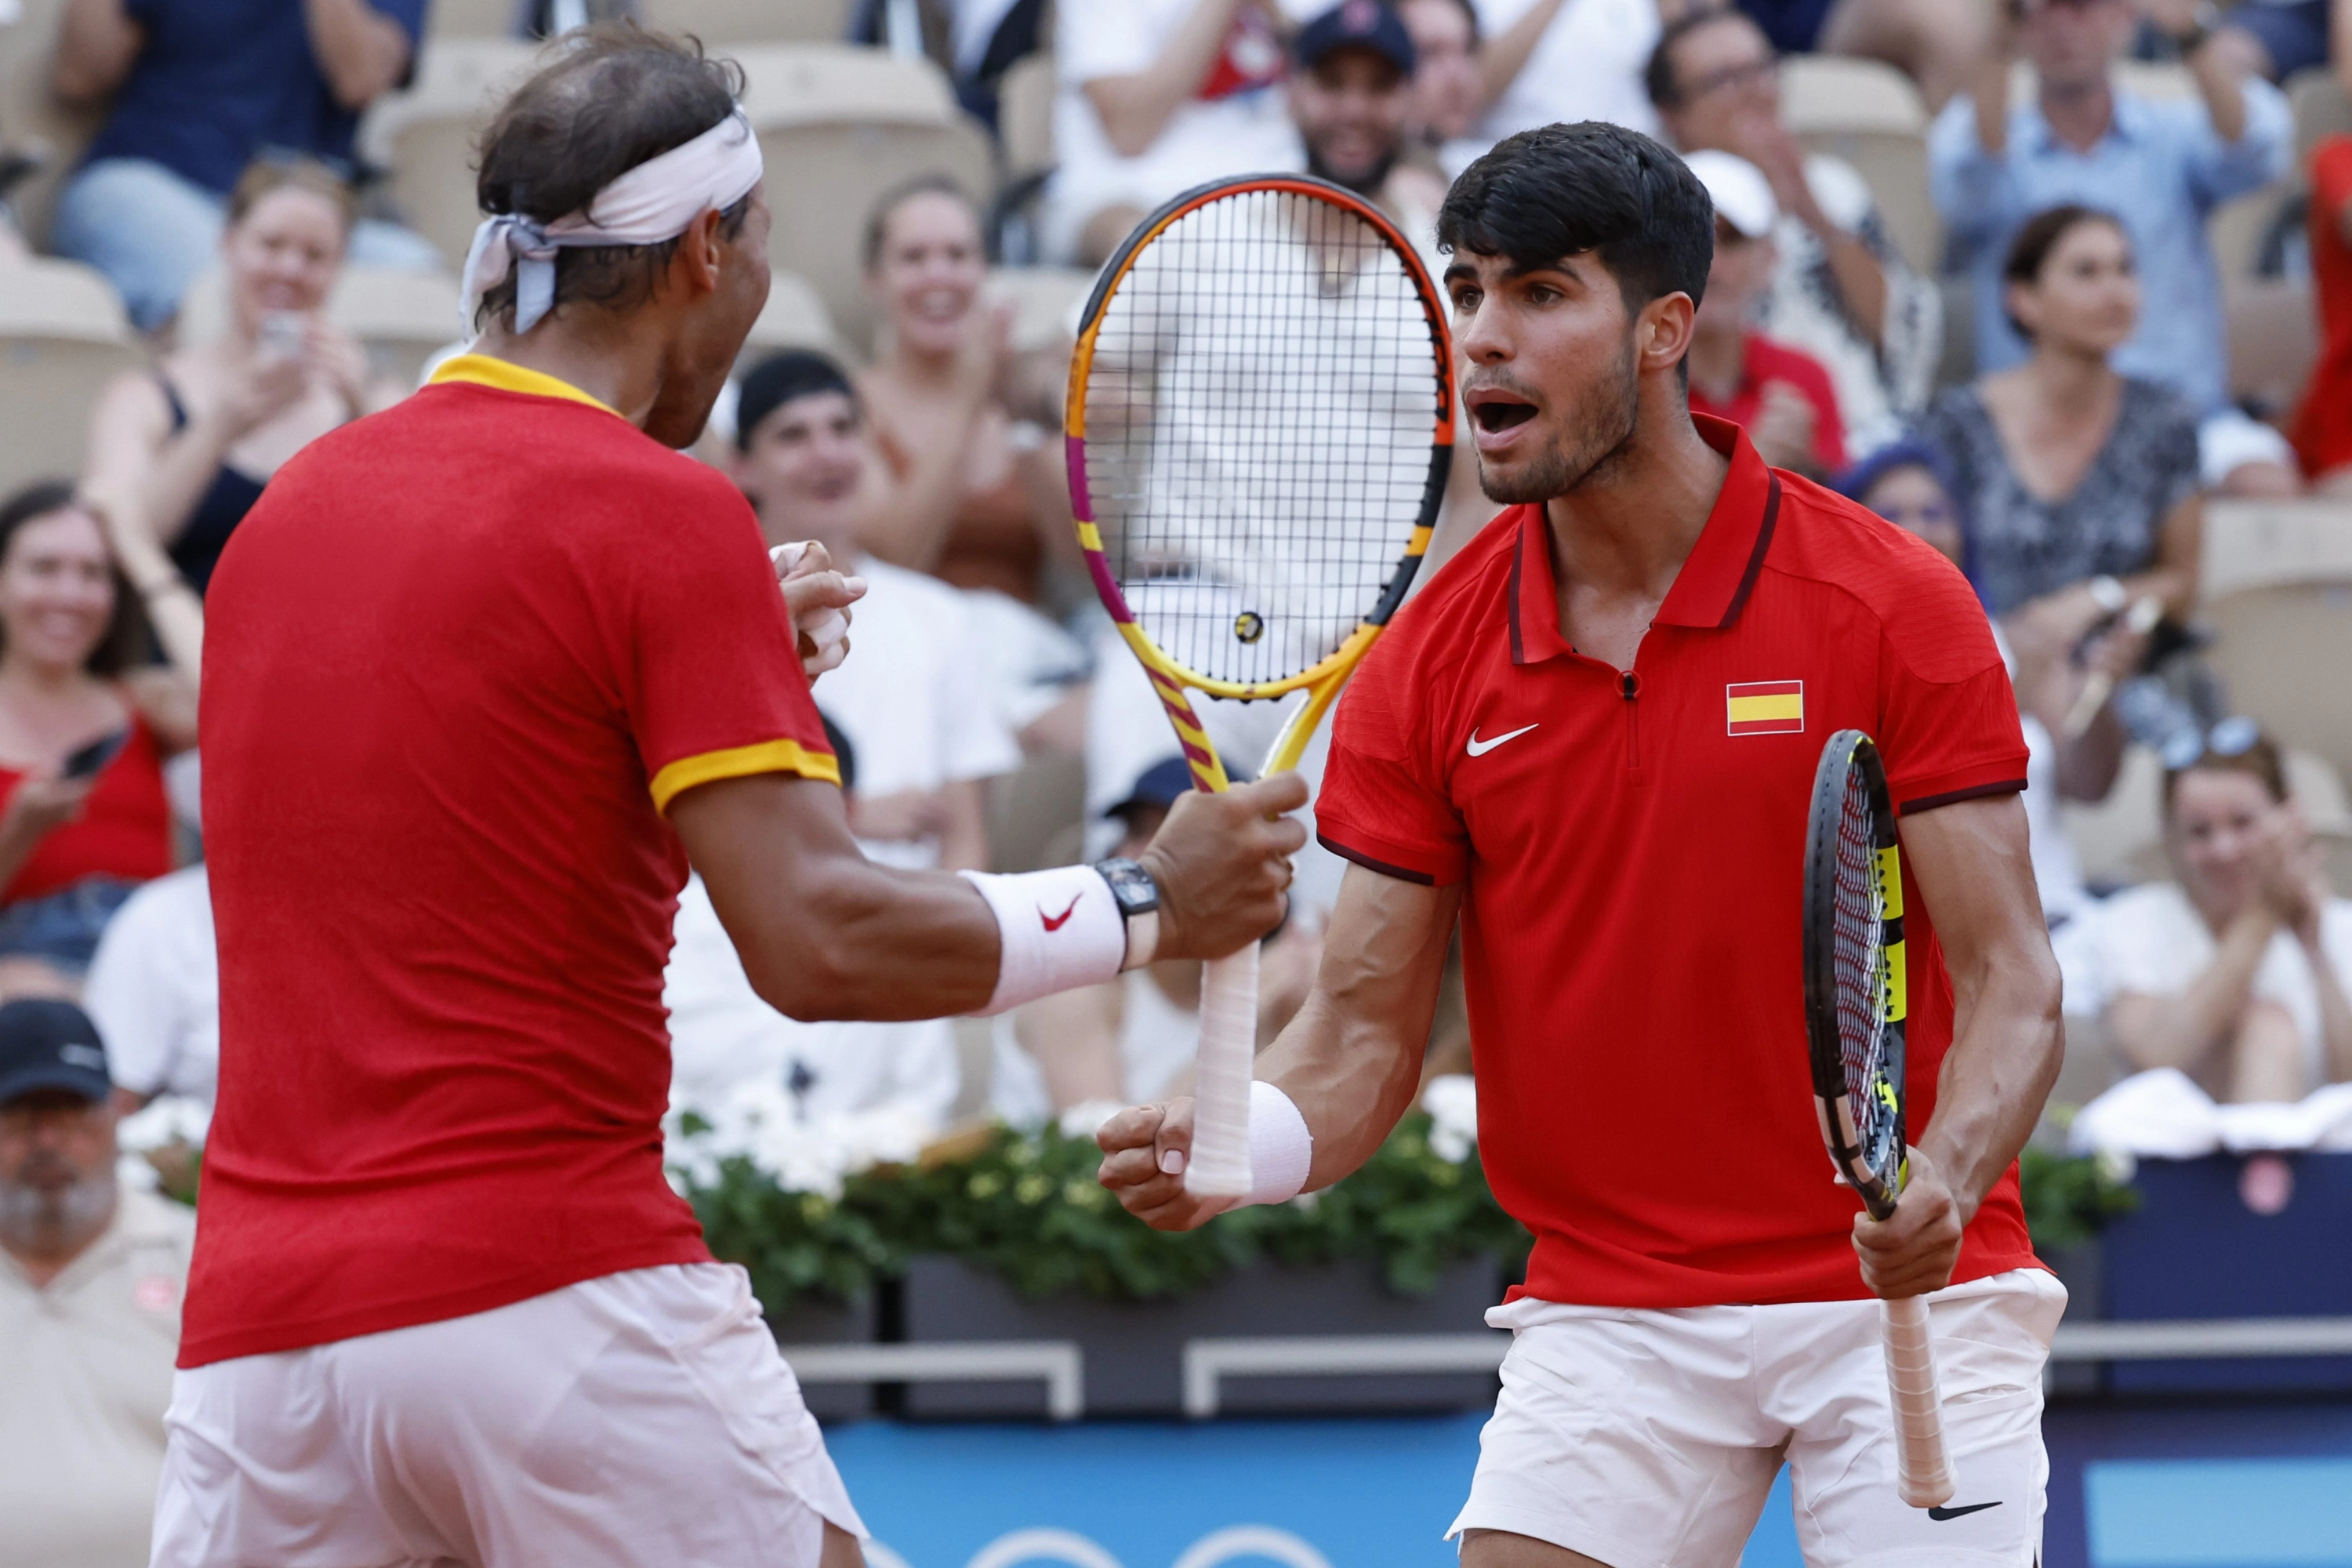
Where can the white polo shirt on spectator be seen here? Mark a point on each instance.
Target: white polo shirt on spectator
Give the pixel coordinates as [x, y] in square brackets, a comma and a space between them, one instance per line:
[1587, 66]
[1230, 128]
[2151, 941]
[85, 1377]
[154, 990]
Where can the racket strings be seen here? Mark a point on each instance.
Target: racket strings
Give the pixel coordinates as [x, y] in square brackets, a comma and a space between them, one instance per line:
[1259, 424]
[1859, 962]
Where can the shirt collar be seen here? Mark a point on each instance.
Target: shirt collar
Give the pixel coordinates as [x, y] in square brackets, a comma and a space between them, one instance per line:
[2127, 121]
[1715, 581]
[506, 376]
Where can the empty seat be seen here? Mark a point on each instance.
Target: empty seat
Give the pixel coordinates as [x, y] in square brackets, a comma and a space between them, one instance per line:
[1871, 115]
[1045, 303]
[840, 125]
[63, 335]
[793, 318]
[2283, 650]
[1025, 115]
[2273, 332]
[426, 134]
[473, 18]
[2320, 108]
[720, 23]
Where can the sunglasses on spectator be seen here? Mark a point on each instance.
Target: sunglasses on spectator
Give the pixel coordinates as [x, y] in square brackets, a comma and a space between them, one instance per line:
[2233, 737]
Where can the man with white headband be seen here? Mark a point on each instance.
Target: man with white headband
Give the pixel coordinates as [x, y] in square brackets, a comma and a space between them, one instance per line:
[484, 674]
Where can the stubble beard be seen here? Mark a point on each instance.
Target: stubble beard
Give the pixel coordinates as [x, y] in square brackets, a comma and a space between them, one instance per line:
[1603, 429]
[39, 1220]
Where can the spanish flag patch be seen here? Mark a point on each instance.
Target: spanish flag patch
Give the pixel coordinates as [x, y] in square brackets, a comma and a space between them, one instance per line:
[1764, 708]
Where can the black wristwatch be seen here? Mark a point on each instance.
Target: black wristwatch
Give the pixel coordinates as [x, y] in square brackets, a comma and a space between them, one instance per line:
[1138, 897]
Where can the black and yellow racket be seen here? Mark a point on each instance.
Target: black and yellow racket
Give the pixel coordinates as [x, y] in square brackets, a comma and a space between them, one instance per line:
[1259, 426]
[1855, 1003]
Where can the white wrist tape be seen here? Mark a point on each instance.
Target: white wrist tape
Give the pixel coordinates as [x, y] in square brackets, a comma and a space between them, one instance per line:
[1281, 1148]
[1060, 929]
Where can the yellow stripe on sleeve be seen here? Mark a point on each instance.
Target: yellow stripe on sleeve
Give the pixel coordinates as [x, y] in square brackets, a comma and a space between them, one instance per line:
[741, 761]
[1761, 710]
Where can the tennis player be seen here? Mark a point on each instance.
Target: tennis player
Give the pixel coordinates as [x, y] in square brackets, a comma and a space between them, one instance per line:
[485, 673]
[1593, 737]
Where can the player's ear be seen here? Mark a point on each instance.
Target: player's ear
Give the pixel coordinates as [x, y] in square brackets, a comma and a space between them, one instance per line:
[701, 252]
[1661, 334]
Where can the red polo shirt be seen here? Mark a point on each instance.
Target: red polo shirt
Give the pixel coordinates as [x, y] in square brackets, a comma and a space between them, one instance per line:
[1632, 844]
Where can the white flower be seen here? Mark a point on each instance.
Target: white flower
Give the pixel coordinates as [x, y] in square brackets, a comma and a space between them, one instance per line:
[1452, 1102]
[167, 1120]
[1085, 1119]
[758, 1121]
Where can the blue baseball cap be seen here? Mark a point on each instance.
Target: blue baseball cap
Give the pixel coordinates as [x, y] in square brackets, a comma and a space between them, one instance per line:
[47, 1043]
[1356, 24]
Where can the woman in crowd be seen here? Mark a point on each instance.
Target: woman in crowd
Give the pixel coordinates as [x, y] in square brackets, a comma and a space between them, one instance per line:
[970, 491]
[2079, 484]
[195, 440]
[83, 742]
[2235, 972]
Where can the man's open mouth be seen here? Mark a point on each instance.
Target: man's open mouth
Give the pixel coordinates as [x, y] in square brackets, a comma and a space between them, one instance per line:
[1496, 411]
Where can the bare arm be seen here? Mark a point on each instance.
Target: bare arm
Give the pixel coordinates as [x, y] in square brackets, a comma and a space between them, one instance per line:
[2222, 83]
[1074, 1040]
[824, 933]
[906, 519]
[2182, 1030]
[1987, 80]
[361, 51]
[1973, 873]
[2335, 1014]
[134, 451]
[1349, 1060]
[963, 830]
[1136, 109]
[1506, 56]
[2339, 37]
[98, 43]
[173, 611]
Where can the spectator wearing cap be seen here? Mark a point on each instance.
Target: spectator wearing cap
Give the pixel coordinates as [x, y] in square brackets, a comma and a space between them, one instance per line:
[199, 89]
[2236, 971]
[1155, 97]
[1781, 395]
[1839, 290]
[2160, 166]
[1448, 79]
[1133, 1040]
[1351, 98]
[91, 1272]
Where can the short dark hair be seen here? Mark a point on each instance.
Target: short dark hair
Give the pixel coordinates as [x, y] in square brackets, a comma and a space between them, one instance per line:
[1565, 190]
[616, 95]
[1658, 77]
[2029, 252]
[785, 378]
[877, 221]
[125, 642]
[271, 174]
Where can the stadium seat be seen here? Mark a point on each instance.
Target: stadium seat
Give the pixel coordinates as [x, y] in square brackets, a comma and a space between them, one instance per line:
[1871, 115]
[723, 23]
[793, 318]
[2120, 841]
[403, 317]
[425, 134]
[31, 118]
[2321, 109]
[2283, 650]
[2272, 340]
[472, 19]
[63, 336]
[1025, 116]
[840, 125]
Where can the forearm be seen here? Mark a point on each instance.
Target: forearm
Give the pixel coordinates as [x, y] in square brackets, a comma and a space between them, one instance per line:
[361, 51]
[2008, 1042]
[2224, 89]
[1861, 280]
[2182, 1030]
[98, 43]
[963, 842]
[1504, 58]
[908, 519]
[177, 475]
[1136, 109]
[1988, 97]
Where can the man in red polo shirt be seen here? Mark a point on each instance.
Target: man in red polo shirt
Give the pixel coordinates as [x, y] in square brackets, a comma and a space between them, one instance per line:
[1594, 736]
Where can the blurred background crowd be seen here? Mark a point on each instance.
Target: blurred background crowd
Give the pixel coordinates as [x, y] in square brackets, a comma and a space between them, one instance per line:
[2064, 287]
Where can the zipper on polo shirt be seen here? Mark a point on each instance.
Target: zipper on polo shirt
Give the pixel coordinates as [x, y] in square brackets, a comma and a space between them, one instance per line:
[1629, 686]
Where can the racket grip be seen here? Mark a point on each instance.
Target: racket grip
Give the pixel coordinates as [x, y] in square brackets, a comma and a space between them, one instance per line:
[1923, 1471]
[1220, 1164]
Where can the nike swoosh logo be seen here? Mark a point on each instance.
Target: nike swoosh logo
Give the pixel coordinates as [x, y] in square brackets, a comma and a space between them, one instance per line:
[1479, 748]
[1056, 922]
[1940, 1514]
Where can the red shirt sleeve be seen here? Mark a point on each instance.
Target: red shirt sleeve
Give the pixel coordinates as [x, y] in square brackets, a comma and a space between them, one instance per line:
[1948, 729]
[1383, 805]
[710, 674]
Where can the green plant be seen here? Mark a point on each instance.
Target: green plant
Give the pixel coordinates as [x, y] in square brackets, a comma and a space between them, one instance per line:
[795, 1245]
[2071, 1198]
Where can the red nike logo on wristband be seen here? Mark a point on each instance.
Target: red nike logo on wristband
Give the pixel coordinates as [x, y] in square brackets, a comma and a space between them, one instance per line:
[1056, 922]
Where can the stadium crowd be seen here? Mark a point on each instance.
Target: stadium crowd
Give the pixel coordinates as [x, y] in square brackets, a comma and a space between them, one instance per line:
[2051, 389]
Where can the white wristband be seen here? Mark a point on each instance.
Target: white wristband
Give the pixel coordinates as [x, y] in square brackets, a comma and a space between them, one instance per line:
[1281, 1148]
[1058, 930]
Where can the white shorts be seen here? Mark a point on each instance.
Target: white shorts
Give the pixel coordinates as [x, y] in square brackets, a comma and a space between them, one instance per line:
[1649, 1438]
[640, 1420]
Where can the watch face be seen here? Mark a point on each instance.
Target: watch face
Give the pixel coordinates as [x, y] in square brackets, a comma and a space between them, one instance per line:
[1131, 885]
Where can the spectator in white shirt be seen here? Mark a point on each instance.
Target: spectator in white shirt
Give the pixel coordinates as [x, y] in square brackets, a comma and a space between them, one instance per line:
[1546, 61]
[2236, 972]
[1351, 98]
[1158, 96]
[154, 991]
[1841, 292]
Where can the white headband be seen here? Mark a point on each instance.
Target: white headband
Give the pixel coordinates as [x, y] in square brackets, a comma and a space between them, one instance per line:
[657, 200]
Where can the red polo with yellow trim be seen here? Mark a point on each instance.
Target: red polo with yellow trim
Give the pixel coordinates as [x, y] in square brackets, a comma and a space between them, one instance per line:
[458, 659]
[1632, 846]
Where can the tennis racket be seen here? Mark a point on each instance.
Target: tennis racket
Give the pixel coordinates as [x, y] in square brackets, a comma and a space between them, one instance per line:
[1259, 427]
[1855, 1007]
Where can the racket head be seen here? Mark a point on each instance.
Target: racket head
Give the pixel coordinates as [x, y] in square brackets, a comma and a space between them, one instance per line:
[1258, 431]
[1855, 985]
